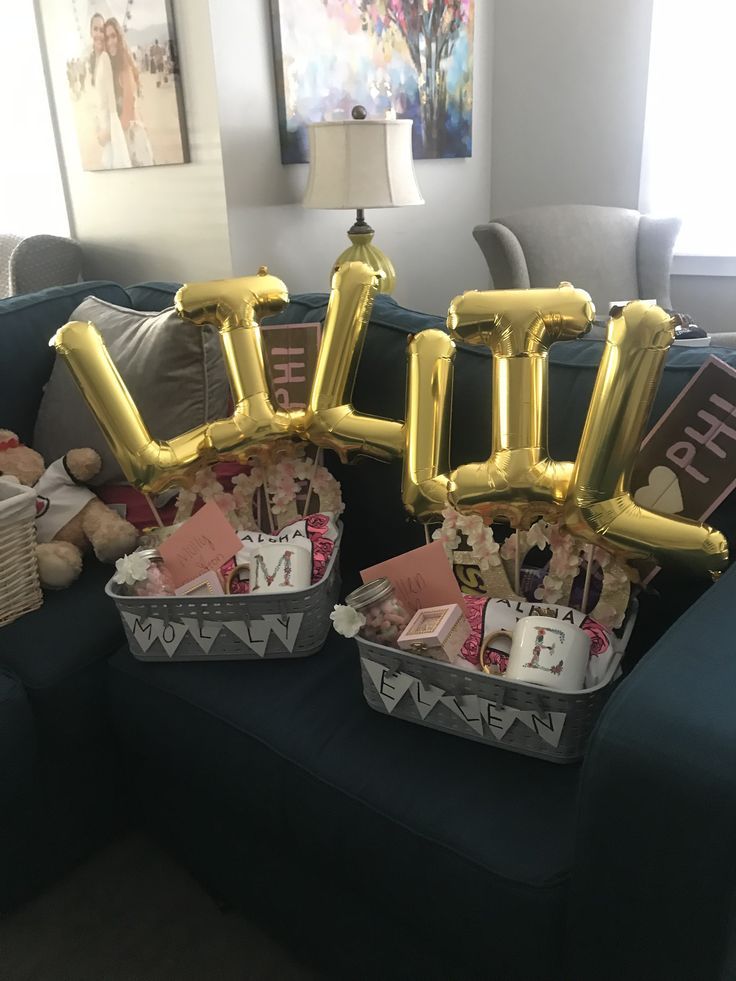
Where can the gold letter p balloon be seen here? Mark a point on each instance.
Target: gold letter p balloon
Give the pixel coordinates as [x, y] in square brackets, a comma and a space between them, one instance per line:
[519, 482]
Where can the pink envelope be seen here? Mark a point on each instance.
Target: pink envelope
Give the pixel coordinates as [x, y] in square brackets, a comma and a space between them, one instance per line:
[421, 578]
[203, 543]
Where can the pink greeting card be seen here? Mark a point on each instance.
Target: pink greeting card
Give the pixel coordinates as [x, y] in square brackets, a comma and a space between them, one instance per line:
[203, 543]
[421, 578]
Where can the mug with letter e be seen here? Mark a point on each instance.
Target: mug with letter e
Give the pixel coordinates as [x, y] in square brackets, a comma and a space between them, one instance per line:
[544, 651]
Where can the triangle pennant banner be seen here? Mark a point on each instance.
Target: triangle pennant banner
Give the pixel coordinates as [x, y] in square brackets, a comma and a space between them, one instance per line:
[425, 697]
[253, 633]
[548, 725]
[285, 627]
[391, 687]
[204, 632]
[144, 629]
[498, 720]
[171, 635]
[465, 707]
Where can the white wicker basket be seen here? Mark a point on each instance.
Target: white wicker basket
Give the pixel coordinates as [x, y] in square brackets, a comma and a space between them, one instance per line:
[20, 591]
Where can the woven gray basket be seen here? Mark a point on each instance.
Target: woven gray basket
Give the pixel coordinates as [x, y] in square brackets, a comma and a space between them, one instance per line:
[231, 628]
[510, 715]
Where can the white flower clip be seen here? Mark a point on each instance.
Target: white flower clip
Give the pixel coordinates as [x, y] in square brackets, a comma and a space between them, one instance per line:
[131, 569]
[346, 620]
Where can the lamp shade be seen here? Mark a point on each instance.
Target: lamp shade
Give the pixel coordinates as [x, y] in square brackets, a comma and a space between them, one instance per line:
[361, 163]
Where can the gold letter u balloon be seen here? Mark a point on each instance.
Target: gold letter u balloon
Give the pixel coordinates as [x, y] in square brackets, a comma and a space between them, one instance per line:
[518, 482]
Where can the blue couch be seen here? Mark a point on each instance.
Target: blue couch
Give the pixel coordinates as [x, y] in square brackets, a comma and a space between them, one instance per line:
[376, 848]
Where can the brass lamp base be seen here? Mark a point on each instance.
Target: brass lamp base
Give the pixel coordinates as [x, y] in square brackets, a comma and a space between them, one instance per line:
[362, 250]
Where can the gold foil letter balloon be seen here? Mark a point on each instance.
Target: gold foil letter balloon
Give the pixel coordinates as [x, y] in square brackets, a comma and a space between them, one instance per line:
[518, 481]
[153, 465]
[236, 306]
[147, 463]
[426, 484]
[331, 421]
[599, 507]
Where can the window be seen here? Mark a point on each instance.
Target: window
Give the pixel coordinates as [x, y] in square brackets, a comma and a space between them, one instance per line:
[689, 165]
[31, 192]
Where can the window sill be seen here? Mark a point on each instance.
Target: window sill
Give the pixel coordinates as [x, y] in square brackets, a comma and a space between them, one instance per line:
[704, 265]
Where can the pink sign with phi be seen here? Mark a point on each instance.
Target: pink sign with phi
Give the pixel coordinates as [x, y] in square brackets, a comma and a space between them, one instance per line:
[687, 463]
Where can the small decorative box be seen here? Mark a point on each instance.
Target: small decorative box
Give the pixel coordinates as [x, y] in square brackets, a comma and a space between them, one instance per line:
[438, 632]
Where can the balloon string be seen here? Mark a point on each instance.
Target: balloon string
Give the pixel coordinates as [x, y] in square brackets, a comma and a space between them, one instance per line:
[517, 563]
[154, 510]
[588, 576]
[269, 513]
[427, 539]
[317, 462]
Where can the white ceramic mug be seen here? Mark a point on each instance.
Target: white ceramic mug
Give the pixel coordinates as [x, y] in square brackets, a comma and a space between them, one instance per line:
[544, 651]
[279, 567]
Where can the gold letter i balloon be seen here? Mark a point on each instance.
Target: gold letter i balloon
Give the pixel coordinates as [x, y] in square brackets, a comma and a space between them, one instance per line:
[519, 481]
[426, 483]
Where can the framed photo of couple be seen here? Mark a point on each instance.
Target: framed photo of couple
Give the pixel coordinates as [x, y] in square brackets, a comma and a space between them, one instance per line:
[122, 76]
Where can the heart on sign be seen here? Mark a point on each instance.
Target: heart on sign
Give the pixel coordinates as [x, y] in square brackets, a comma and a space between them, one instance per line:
[662, 493]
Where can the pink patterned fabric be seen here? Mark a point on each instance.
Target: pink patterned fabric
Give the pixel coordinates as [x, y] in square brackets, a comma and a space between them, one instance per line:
[475, 610]
[600, 639]
[322, 547]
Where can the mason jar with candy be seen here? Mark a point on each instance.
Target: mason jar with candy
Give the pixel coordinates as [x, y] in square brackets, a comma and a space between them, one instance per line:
[385, 615]
[143, 574]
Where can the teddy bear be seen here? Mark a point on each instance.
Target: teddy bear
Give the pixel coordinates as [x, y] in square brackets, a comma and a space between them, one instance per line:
[69, 517]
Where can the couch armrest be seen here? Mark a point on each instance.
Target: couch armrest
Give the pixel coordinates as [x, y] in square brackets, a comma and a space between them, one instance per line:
[655, 875]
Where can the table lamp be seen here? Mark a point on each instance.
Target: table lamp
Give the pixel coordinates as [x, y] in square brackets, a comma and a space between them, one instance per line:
[362, 163]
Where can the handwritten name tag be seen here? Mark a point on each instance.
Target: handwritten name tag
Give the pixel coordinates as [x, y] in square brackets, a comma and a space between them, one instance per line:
[203, 543]
[421, 578]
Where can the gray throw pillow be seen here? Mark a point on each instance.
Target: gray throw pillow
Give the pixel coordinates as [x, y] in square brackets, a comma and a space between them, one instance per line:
[173, 370]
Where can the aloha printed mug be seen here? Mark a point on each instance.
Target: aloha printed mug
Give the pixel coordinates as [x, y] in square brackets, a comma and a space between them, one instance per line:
[278, 567]
[544, 651]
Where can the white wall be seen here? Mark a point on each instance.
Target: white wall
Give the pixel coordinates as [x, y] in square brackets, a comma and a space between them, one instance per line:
[710, 300]
[31, 191]
[165, 222]
[431, 246]
[569, 95]
[569, 100]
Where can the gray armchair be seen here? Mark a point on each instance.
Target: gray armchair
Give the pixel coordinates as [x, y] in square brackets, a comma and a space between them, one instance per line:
[33, 263]
[613, 253]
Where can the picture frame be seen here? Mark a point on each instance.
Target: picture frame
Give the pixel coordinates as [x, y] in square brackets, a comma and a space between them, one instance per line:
[330, 56]
[119, 68]
[208, 584]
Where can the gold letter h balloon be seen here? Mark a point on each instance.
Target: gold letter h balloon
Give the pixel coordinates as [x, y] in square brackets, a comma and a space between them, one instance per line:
[518, 482]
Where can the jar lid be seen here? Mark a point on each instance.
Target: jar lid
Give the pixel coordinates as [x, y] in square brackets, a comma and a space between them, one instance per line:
[152, 554]
[370, 592]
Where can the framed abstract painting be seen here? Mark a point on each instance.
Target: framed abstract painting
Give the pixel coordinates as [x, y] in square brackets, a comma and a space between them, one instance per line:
[403, 59]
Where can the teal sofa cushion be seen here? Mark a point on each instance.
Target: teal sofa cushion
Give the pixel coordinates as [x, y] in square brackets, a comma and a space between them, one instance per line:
[655, 885]
[27, 323]
[73, 628]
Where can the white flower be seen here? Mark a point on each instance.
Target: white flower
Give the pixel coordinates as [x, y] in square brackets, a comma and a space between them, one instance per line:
[537, 535]
[131, 569]
[508, 549]
[346, 620]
